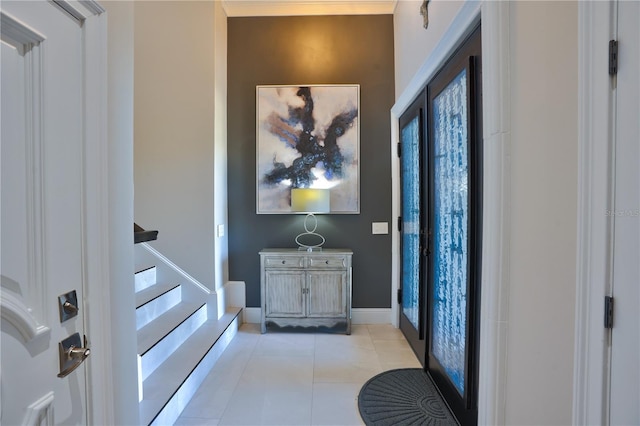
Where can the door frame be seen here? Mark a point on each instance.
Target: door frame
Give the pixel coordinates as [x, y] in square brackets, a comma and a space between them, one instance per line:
[596, 26]
[496, 222]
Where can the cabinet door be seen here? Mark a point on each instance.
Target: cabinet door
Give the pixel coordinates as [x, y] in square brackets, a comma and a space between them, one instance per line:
[327, 294]
[284, 294]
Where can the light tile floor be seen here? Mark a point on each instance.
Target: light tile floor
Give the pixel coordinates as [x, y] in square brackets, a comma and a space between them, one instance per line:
[295, 379]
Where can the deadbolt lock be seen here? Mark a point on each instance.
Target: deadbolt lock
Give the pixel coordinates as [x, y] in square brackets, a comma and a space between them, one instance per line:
[68, 305]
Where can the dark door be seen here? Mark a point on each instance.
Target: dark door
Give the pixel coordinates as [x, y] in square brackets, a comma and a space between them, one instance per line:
[412, 227]
[455, 151]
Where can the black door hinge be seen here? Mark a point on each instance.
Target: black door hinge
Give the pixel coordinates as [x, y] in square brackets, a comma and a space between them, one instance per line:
[399, 223]
[608, 312]
[399, 146]
[613, 57]
[399, 296]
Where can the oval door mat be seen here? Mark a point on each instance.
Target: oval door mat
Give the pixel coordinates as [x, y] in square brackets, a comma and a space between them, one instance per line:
[406, 396]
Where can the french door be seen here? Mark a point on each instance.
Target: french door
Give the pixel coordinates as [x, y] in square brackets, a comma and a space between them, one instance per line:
[441, 182]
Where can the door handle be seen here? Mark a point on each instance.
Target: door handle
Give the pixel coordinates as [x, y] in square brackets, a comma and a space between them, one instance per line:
[72, 354]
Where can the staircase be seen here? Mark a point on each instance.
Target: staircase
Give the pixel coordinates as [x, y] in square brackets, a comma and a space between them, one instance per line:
[180, 336]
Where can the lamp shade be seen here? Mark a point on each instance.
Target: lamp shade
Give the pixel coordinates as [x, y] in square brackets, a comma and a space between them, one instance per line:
[310, 200]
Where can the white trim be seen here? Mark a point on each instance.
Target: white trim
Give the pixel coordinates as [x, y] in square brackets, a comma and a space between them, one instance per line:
[496, 215]
[371, 315]
[119, 302]
[40, 412]
[234, 295]
[16, 313]
[252, 315]
[496, 189]
[236, 8]
[176, 268]
[93, 6]
[595, 101]
[80, 10]
[95, 225]
[17, 34]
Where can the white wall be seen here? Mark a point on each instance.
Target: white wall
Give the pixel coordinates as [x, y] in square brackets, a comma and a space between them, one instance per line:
[542, 203]
[412, 42]
[544, 103]
[176, 141]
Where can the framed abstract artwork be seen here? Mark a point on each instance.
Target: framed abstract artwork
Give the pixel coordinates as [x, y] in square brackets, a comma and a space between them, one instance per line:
[307, 136]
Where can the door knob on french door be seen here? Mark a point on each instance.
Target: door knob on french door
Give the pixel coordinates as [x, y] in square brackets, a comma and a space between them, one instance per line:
[72, 354]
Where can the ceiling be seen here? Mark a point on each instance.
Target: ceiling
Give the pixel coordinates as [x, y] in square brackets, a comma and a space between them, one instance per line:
[236, 8]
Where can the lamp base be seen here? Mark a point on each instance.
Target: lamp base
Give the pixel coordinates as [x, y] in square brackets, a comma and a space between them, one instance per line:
[309, 249]
[312, 233]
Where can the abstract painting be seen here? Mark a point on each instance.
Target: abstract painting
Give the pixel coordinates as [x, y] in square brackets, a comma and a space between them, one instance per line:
[307, 137]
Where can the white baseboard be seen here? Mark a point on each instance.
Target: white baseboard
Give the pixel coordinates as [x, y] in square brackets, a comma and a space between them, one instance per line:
[252, 315]
[371, 316]
[358, 316]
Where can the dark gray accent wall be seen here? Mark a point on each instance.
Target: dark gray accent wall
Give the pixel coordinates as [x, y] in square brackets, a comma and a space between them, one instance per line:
[313, 50]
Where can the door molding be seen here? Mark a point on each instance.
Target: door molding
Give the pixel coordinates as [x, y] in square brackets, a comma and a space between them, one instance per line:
[40, 412]
[25, 307]
[496, 222]
[596, 26]
[102, 377]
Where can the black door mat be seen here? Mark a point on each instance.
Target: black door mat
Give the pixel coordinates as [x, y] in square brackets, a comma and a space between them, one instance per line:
[405, 396]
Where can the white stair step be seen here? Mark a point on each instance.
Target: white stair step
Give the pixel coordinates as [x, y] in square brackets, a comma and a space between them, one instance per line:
[156, 330]
[155, 301]
[145, 278]
[159, 352]
[168, 390]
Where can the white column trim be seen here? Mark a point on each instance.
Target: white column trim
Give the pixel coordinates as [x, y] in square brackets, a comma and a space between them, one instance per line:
[496, 215]
[96, 226]
[595, 101]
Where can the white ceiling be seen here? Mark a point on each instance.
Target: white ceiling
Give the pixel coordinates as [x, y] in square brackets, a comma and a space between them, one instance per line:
[235, 8]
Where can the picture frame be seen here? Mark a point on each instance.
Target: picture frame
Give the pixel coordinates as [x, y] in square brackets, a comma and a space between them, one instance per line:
[307, 136]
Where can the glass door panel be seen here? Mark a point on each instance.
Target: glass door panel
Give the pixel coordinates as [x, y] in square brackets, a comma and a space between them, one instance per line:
[411, 225]
[451, 230]
[412, 318]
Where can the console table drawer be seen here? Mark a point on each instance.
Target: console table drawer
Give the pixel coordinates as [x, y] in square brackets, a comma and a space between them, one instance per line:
[284, 262]
[327, 262]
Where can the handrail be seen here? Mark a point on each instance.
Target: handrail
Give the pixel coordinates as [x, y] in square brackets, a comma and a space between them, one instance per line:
[141, 235]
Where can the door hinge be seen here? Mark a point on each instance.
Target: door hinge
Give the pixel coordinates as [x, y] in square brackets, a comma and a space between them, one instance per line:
[613, 57]
[399, 296]
[399, 223]
[608, 312]
[399, 145]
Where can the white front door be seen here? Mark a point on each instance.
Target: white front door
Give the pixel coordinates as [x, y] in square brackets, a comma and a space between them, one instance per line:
[43, 85]
[625, 338]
